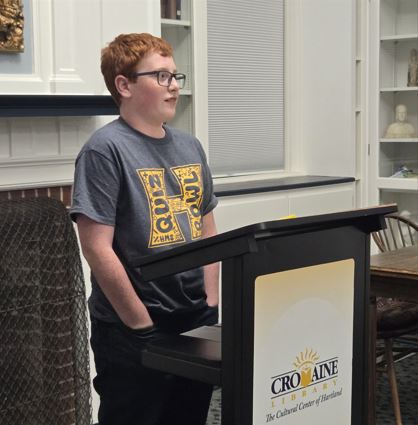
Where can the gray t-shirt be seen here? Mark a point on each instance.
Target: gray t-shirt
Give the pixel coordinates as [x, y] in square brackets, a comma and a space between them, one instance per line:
[155, 193]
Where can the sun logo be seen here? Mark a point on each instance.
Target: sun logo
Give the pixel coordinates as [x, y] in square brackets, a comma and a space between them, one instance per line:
[305, 362]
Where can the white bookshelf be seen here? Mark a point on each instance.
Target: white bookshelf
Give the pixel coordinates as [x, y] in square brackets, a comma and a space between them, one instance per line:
[395, 34]
[177, 29]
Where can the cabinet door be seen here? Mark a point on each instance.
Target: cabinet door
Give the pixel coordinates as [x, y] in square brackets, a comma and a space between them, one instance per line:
[305, 202]
[242, 210]
[29, 72]
[63, 40]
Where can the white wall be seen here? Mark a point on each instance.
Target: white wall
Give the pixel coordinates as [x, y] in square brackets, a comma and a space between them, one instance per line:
[320, 86]
[237, 211]
[37, 152]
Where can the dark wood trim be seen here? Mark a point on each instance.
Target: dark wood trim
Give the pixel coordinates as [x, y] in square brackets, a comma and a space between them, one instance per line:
[280, 183]
[56, 105]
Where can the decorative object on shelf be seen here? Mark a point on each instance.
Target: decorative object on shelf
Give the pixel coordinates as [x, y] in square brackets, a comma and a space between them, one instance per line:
[11, 26]
[405, 172]
[400, 129]
[413, 69]
[170, 9]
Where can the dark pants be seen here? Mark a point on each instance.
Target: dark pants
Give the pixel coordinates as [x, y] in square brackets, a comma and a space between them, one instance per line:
[131, 394]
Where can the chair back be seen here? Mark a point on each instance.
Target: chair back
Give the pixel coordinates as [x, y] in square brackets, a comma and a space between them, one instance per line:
[44, 351]
[400, 233]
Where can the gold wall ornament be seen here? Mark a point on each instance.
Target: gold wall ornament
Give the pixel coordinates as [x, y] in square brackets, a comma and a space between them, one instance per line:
[11, 26]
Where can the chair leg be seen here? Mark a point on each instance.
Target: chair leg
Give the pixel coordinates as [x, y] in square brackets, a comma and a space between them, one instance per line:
[392, 381]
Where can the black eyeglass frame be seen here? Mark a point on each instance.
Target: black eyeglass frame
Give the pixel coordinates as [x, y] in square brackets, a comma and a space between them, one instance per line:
[178, 76]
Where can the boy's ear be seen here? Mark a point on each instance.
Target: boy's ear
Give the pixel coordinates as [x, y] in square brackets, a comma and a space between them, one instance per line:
[122, 86]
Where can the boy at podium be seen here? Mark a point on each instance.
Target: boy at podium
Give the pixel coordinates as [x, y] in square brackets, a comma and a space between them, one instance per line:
[142, 187]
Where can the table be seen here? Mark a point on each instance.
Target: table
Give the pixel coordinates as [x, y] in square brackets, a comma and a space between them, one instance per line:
[393, 274]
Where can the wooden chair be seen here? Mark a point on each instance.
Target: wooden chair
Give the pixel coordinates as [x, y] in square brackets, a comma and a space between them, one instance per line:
[395, 318]
[400, 233]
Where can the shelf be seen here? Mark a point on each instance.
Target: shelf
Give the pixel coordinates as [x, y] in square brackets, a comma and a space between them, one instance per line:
[395, 89]
[179, 33]
[56, 105]
[397, 184]
[411, 140]
[175, 23]
[395, 38]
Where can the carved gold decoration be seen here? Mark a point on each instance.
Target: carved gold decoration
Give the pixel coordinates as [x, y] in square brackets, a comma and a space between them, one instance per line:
[11, 26]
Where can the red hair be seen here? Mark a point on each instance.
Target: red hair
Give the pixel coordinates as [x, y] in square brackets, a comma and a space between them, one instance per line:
[123, 54]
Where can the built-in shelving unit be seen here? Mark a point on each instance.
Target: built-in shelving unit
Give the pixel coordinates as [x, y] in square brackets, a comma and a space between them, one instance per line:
[177, 29]
[396, 159]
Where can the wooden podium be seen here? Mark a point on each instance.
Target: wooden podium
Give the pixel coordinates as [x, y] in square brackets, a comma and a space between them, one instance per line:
[295, 331]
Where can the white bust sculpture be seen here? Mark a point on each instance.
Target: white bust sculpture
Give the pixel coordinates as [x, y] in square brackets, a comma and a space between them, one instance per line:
[413, 69]
[400, 129]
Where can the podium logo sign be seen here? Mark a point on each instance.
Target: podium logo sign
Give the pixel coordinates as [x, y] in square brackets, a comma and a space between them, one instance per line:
[308, 372]
[310, 377]
[306, 364]
[309, 383]
[164, 209]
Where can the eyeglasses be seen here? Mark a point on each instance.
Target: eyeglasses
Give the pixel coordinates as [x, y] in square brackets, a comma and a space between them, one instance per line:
[164, 78]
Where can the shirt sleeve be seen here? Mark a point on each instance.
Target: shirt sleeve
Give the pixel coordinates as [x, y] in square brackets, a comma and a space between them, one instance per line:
[209, 200]
[96, 188]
